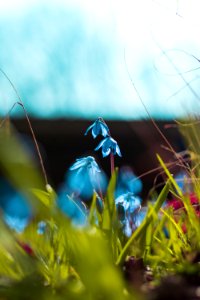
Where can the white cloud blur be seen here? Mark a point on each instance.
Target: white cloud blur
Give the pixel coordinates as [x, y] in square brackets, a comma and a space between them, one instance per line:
[155, 40]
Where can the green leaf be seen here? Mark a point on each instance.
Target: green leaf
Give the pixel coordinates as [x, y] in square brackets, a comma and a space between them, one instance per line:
[43, 196]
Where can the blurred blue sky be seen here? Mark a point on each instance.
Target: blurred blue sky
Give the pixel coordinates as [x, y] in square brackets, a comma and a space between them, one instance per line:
[74, 58]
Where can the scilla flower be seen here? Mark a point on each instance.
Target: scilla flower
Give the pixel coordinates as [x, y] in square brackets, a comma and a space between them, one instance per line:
[109, 145]
[86, 177]
[98, 127]
[88, 163]
[127, 182]
[130, 202]
[128, 208]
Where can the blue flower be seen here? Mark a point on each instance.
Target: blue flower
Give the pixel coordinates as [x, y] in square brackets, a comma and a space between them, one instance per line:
[127, 182]
[98, 127]
[132, 222]
[109, 145]
[87, 163]
[128, 209]
[84, 177]
[130, 202]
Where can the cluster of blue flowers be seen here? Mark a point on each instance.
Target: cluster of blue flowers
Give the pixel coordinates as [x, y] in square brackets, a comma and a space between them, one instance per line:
[85, 178]
[108, 145]
[128, 208]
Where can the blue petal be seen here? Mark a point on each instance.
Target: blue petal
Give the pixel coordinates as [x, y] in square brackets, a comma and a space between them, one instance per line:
[122, 200]
[108, 142]
[95, 129]
[127, 182]
[135, 185]
[100, 145]
[127, 229]
[100, 182]
[90, 127]
[94, 167]
[80, 162]
[104, 129]
[94, 134]
[106, 152]
[118, 150]
[98, 127]
[135, 204]
[76, 165]
[80, 183]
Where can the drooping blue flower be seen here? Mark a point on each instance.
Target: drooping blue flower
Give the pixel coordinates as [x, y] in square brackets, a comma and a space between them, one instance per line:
[131, 224]
[130, 202]
[98, 127]
[84, 177]
[127, 182]
[85, 162]
[128, 208]
[88, 163]
[109, 145]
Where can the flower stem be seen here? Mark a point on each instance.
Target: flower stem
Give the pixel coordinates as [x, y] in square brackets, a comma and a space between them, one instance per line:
[112, 163]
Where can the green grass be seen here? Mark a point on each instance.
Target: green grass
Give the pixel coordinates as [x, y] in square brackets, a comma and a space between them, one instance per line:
[70, 262]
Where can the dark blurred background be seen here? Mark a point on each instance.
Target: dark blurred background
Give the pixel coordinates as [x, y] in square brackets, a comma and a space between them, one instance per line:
[62, 141]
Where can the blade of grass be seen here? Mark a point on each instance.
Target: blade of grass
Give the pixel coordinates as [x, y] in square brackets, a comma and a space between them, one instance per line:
[192, 217]
[169, 175]
[91, 217]
[176, 225]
